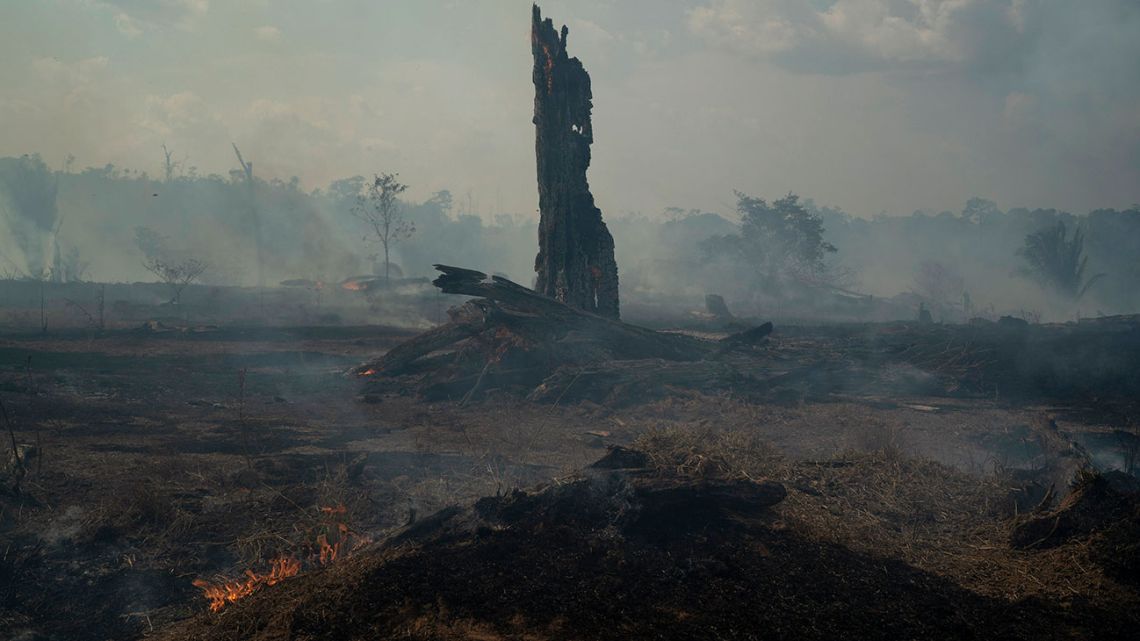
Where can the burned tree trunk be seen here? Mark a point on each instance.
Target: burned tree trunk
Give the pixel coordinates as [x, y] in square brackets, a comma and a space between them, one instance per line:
[575, 262]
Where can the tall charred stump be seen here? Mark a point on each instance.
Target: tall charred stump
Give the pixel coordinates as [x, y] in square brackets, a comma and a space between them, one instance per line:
[575, 262]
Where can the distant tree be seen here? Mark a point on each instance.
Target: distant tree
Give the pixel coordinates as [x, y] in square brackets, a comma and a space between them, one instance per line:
[378, 207]
[170, 166]
[979, 209]
[346, 189]
[176, 275]
[443, 200]
[1058, 261]
[173, 269]
[782, 241]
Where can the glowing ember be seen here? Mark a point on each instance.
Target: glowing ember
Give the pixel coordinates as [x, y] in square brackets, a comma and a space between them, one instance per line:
[367, 372]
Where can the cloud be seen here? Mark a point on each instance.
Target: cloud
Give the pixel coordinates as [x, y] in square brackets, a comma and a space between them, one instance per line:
[183, 112]
[1049, 65]
[74, 77]
[131, 16]
[127, 26]
[756, 28]
[267, 33]
[932, 36]
[859, 35]
[870, 104]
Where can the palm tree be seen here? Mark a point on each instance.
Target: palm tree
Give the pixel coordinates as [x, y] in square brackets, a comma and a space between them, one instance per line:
[1058, 261]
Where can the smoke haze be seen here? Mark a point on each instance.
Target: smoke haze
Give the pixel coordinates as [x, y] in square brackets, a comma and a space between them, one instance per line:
[871, 105]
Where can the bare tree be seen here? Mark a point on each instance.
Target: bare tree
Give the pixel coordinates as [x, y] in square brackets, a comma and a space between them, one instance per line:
[176, 274]
[175, 269]
[379, 208]
[170, 165]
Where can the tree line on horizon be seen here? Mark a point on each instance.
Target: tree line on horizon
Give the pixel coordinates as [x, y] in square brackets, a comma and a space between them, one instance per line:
[76, 225]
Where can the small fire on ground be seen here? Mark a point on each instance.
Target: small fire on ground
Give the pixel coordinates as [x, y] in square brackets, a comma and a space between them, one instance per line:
[225, 592]
[333, 537]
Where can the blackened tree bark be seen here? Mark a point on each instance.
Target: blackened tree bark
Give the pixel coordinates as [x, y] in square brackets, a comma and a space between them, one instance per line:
[575, 262]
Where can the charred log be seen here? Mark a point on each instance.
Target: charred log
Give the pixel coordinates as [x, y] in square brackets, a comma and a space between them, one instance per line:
[538, 316]
[575, 262]
[747, 338]
[514, 337]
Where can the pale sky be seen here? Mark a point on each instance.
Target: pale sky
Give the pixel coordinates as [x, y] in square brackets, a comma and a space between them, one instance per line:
[869, 105]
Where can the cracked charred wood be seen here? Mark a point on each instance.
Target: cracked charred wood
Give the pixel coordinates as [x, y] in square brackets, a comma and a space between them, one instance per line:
[575, 262]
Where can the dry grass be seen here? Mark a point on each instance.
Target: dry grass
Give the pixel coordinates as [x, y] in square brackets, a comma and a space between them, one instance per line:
[707, 452]
[875, 499]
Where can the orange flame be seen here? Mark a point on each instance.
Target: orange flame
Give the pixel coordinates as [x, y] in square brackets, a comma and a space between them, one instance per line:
[220, 594]
[337, 528]
[328, 553]
[367, 372]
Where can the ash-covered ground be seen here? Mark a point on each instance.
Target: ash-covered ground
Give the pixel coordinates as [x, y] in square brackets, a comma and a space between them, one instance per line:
[162, 467]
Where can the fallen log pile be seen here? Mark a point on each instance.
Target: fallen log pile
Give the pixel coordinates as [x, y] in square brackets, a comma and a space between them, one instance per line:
[512, 337]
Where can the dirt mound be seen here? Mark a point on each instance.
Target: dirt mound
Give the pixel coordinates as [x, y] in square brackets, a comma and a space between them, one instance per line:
[619, 554]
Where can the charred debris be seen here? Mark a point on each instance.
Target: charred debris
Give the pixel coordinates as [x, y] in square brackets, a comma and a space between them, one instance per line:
[563, 341]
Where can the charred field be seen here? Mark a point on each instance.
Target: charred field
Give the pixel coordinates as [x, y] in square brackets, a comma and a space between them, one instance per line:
[297, 398]
[159, 465]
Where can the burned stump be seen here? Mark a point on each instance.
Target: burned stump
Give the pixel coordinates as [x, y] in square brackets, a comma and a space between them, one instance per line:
[575, 262]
